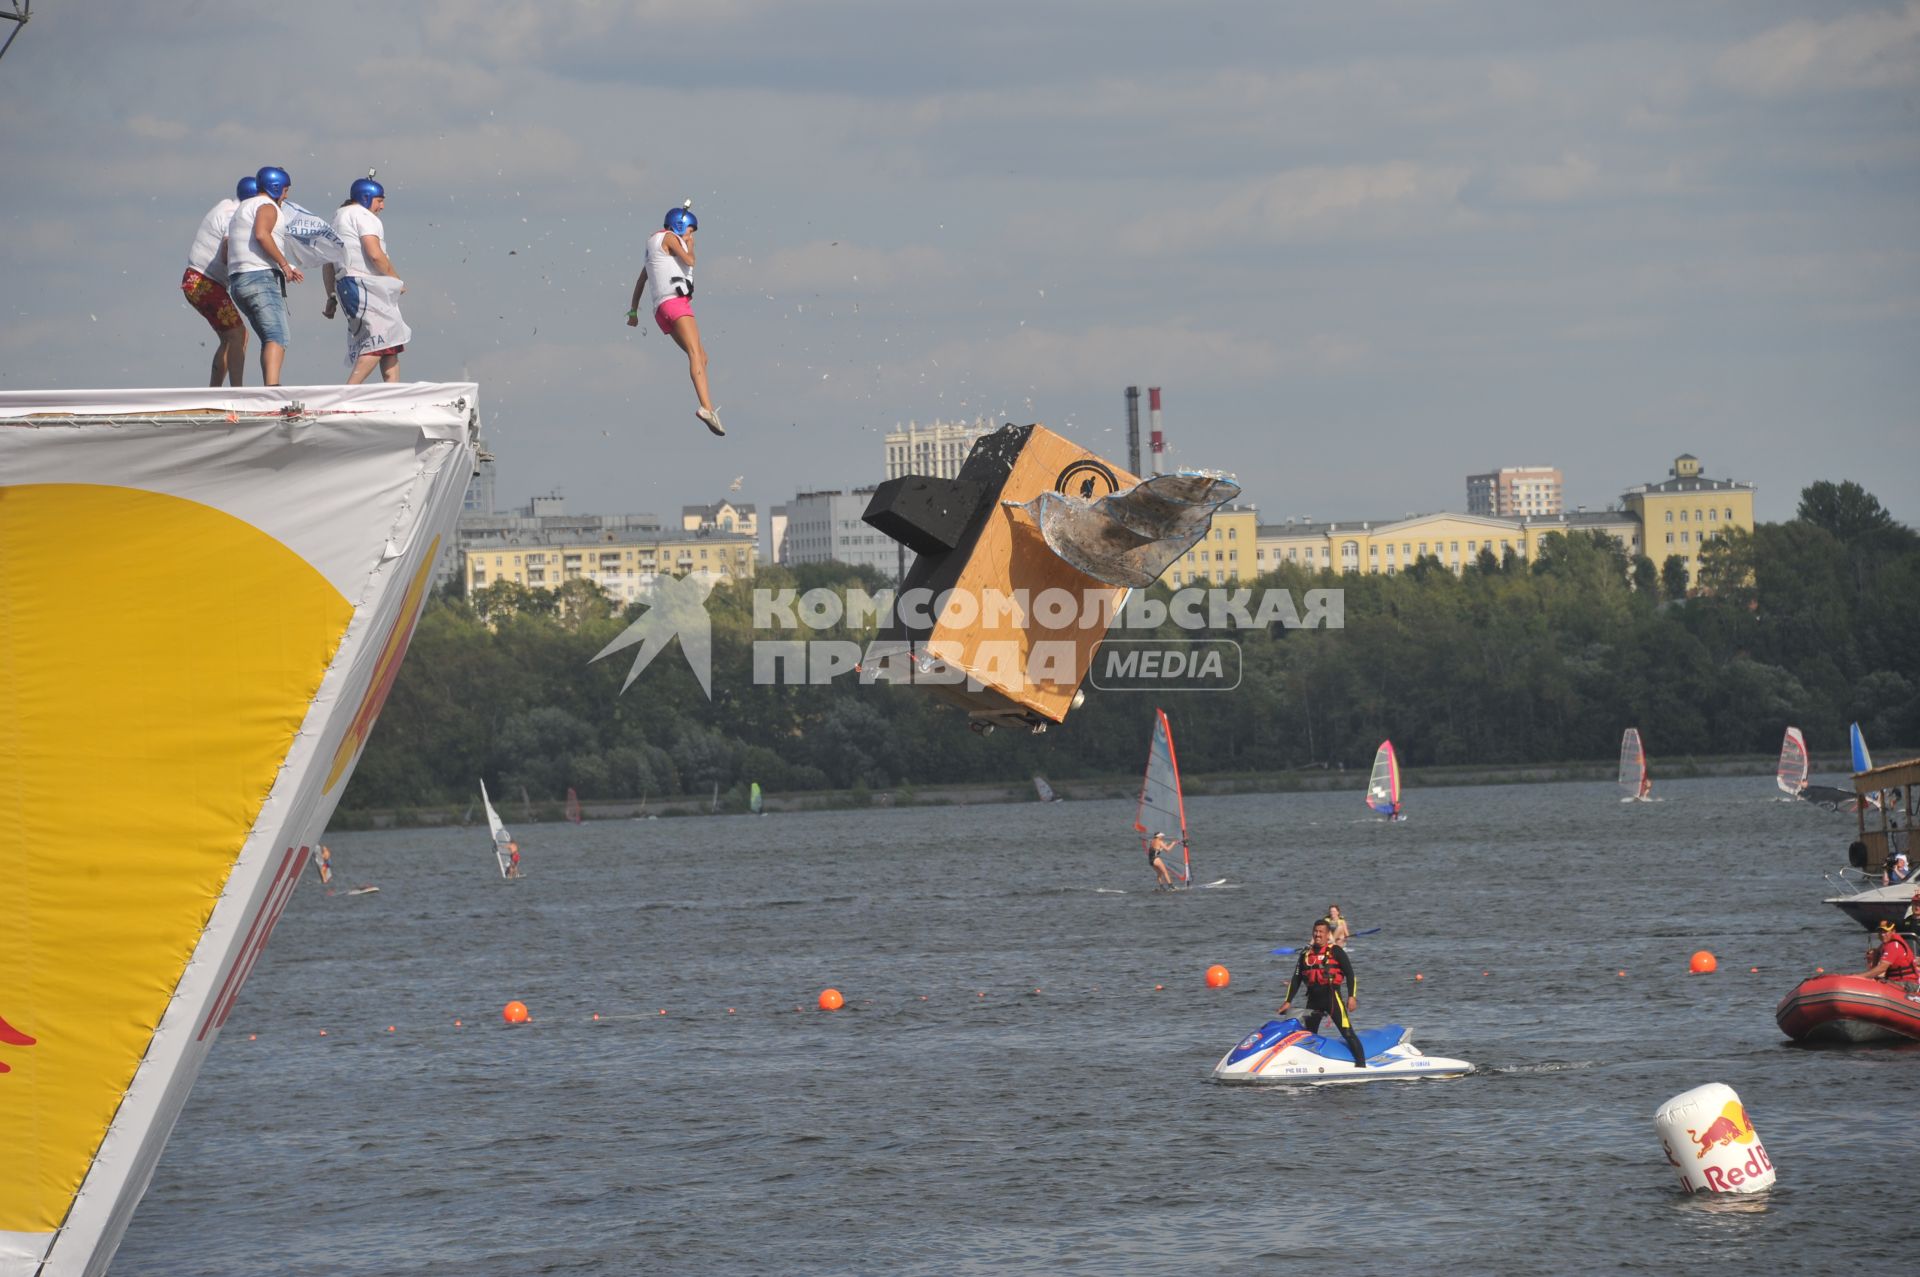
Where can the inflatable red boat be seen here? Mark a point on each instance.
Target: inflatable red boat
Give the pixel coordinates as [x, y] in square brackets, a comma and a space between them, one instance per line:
[1849, 1008]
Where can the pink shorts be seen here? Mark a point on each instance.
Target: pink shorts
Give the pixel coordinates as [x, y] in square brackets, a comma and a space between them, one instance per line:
[669, 310]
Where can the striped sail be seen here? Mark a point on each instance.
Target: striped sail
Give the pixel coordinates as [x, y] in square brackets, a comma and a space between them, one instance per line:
[1162, 808]
[177, 737]
[1633, 764]
[1791, 773]
[1383, 786]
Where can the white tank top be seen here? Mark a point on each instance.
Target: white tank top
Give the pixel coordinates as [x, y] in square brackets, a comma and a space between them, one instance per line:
[667, 277]
[350, 223]
[208, 254]
[242, 255]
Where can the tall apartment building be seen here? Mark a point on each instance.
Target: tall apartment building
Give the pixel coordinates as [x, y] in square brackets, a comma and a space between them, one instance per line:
[623, 566]
[1515, 490]
[543, 521]
[721, 516]
[937, 449]
[825, 527]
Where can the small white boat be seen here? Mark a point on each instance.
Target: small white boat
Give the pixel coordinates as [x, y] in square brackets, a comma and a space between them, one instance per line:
[1283, 1053]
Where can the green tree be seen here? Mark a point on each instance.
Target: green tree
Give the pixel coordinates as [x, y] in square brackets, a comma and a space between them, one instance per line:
[1673, 577]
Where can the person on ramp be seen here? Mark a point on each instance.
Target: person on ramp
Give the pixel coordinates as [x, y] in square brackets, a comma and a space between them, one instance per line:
[1332, 988]
[669, 270]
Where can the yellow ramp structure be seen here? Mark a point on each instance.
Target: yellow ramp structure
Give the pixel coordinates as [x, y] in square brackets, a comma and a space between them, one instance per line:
[204, 598]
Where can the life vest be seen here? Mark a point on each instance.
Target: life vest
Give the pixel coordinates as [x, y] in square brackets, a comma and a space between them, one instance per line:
[1321, 968]
[1898, 955]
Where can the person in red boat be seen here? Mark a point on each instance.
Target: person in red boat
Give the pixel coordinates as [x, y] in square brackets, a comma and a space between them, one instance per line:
[1891, 958]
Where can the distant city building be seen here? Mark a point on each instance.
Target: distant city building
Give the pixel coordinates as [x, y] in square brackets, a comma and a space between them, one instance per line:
[1391, 546]
[1227, 553]
[623, 566]
[1686, 510]
[776, 535]
[936, 449]
[543, 522]
[1515, 490]
[479, 498]
[721, 516]
[825, 527]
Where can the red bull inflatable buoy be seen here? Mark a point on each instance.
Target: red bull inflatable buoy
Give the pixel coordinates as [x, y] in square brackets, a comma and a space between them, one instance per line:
[1710, 1140]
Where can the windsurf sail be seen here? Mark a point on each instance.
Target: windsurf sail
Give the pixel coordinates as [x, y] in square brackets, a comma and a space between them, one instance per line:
[1383, 786]
[1162, 807]
[162, 811]
[1862, 760]
[716, 797]
[573, 806]
[1044, 790]
[1791, 774]
[753, 798]
[1633, 765]
[502, 840]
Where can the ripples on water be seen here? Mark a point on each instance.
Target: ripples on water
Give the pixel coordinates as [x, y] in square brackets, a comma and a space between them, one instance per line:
[1062, 1122]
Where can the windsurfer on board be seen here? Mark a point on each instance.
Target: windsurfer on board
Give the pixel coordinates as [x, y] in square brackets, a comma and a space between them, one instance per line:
[1891, 958]
[1159, 844]
[1332, 988]
[669, 270]
[513, 860]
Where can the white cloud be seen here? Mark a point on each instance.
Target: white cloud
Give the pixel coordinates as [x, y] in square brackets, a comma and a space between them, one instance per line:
[1572, 175]
[1356, 201]
[1879, 50]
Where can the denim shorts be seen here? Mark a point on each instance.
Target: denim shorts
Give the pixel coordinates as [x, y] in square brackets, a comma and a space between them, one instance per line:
[257, 294]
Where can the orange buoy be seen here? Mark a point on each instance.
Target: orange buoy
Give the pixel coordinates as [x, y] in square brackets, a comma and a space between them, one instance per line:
[596, 1015]
[515, 1013]
[389, 1028]
[830, 1000]
[1418, 976]
[1158, 988]
[456, 1024]
[1703, 963]
[1217, 976]
[1754, 969]
[1621, 974]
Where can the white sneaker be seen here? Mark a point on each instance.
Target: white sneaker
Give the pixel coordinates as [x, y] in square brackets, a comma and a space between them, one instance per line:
[712, 419]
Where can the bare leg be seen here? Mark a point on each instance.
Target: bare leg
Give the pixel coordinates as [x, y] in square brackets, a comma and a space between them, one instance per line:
[362, 368]
[271, 355]
[686, 332]
[233, 352]
[389, 367]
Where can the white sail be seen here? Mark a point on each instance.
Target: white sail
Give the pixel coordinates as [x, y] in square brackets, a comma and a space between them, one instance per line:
[1791, 774]
[1383, 783]
[285, 542]
[502, 840]
[1044, 790]
[1633, 765]
[1163, 808]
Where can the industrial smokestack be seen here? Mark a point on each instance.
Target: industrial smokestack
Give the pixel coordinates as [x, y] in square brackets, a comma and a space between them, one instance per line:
[1133, 429]
[1153, 423]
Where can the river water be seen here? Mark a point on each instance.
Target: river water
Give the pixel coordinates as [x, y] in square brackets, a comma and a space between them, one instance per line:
[1018, 1082]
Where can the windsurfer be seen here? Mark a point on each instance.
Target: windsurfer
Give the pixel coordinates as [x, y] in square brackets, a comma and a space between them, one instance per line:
[1327, 973]
[1340, 930]
[1891, 958]
[669, 271]
[1159, 844]
[1646, 788]
[513, 860]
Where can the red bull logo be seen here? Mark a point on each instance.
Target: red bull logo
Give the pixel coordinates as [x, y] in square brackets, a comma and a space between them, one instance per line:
[1731, 1125]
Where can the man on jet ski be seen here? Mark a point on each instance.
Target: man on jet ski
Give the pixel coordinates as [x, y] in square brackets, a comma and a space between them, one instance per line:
[1331, 988]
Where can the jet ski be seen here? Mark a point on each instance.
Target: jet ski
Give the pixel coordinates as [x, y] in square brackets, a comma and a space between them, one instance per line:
[1283, 1052]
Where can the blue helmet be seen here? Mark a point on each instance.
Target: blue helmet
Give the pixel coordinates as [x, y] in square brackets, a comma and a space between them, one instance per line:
[682, 220]
[273, 181]
[247, 189]
[365, 191]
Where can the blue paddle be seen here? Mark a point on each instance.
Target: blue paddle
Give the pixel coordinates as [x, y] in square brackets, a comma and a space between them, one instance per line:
[1288, 951]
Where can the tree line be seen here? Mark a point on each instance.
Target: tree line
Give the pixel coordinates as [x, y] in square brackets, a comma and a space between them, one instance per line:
[1805, 622]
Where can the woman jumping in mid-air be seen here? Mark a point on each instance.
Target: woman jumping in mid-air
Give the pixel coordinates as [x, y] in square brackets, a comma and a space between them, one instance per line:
[670, 269]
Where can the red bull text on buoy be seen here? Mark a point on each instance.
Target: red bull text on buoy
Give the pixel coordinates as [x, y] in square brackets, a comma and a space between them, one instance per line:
[1710, 1140]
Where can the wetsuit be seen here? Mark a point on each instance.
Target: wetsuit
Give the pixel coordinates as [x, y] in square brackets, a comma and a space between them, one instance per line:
[1328, 976]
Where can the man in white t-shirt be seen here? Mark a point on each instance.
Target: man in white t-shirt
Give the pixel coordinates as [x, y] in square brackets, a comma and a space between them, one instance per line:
[367, 286]
[205, 285]
[258, 271]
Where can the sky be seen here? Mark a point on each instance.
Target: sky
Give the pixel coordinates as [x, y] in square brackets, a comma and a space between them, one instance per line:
[1366, 248]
